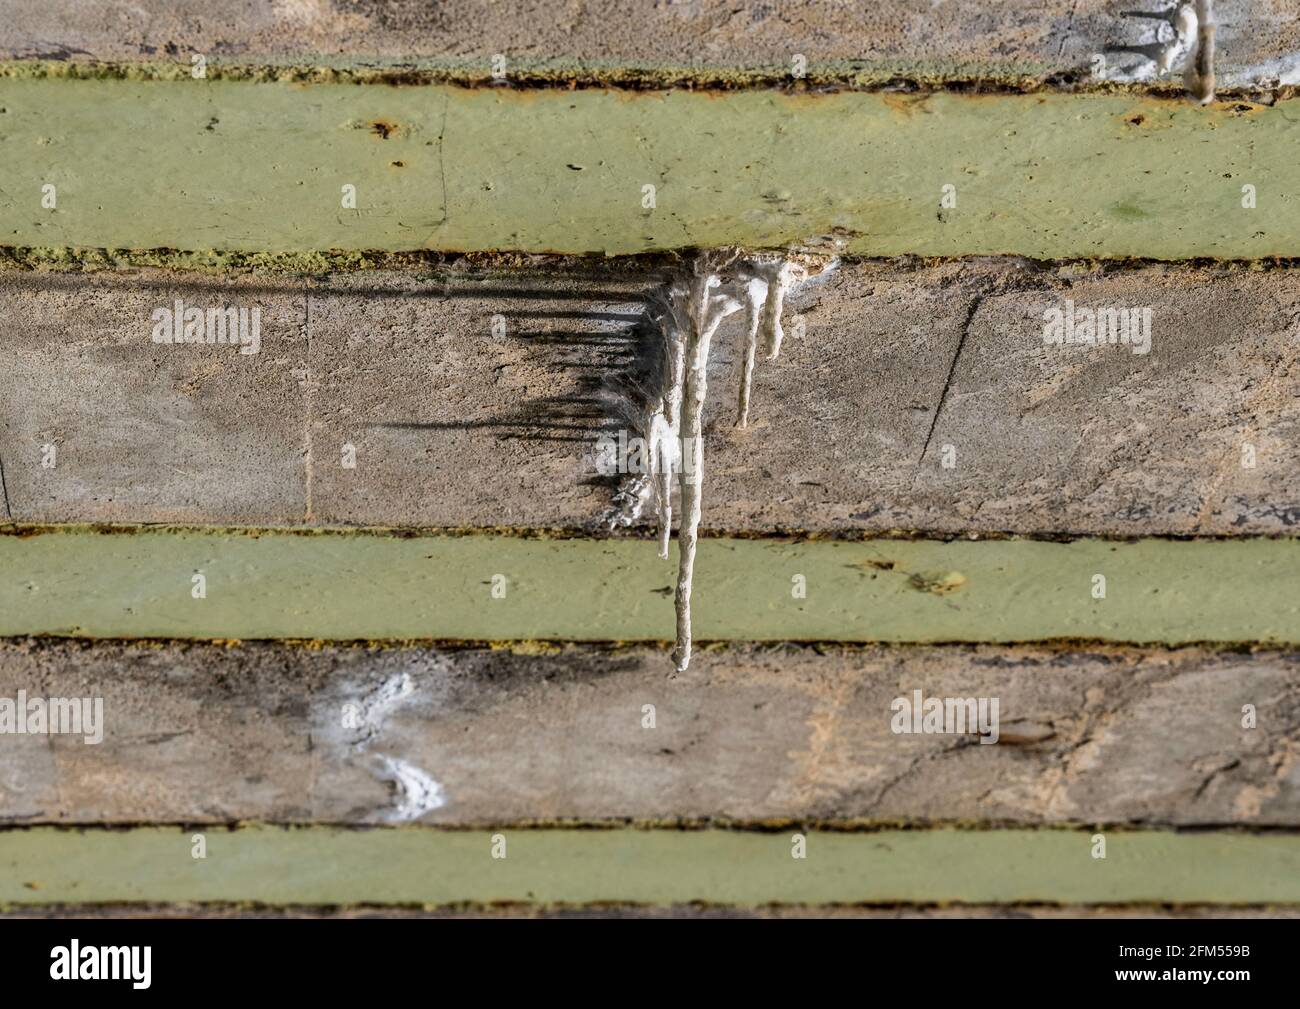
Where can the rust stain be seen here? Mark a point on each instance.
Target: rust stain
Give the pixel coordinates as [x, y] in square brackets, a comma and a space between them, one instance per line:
[907, 104]
[939, 585]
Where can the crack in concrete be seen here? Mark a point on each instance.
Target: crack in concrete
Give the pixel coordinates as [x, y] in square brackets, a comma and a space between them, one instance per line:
[308, 407]
[952, 370]
[1069, 29]
[924, 758]
[442, 162]
[1209, 778]
[4, 490]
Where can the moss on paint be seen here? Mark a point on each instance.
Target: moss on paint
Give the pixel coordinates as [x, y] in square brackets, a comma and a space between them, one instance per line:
[560, 72]
[911, 76]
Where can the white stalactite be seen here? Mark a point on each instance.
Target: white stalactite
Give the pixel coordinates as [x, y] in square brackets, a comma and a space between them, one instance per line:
[716, 284]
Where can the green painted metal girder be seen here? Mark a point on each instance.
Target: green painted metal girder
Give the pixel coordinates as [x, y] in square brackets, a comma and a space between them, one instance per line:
[362, 585]
[202, 165]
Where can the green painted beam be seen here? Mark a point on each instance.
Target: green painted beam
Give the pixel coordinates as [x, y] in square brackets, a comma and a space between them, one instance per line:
[361, 585]
[325, 865]
[235, 165]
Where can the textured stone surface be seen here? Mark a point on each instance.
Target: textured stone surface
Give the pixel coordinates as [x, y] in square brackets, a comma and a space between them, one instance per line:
[255, 732]
[902, 37]
[481, 427]
[454, 426]
[160, 432]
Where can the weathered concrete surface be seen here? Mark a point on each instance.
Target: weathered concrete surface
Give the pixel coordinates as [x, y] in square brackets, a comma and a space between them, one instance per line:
[144, 428]
[995, 39]
[212, 584]
[415, 865]
[455, 426]
[854, 419]
[481, 398]
[210, 734]
[411, 376]
[457, 169]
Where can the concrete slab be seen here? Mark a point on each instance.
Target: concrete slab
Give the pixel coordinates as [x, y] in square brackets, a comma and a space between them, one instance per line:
[919, 398]
[285, 734]
[99, 421]
[470, 402]
[982, 39]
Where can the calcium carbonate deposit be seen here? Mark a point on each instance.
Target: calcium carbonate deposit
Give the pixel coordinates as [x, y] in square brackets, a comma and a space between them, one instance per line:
[687, 314]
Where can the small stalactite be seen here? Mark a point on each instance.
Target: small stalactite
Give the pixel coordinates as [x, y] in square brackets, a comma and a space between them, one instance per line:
[687, 314]
[1187, 40]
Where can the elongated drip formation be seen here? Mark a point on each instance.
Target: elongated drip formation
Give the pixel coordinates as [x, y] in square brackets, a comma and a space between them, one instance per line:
[1187, 41]
[687, 314]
